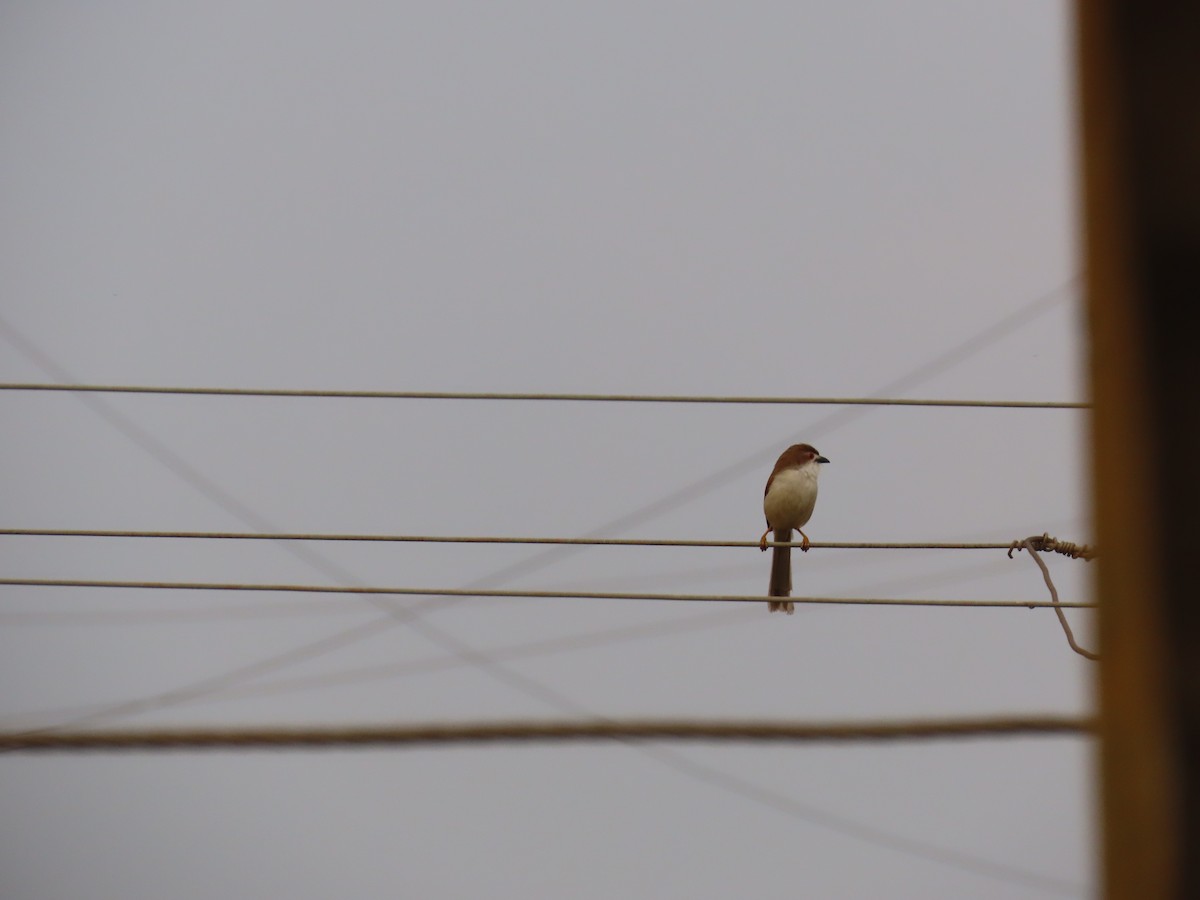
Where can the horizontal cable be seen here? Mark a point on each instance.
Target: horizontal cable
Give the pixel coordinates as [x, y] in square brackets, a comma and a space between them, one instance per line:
[527, 732]
[332, 606]
[567, 397]
[545, 595]
[455, 539]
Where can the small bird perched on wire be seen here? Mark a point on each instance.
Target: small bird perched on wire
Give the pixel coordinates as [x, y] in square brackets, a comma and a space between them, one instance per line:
[788, 503]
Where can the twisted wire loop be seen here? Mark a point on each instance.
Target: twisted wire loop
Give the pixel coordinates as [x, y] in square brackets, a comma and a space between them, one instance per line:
[1050, 544]
[1035, 543]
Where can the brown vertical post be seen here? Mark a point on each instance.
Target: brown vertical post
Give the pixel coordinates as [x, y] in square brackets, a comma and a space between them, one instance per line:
[1139, 65]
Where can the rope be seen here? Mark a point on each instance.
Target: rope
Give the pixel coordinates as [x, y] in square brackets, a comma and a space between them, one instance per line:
[546, 595]
[541, 732]
[497, 395]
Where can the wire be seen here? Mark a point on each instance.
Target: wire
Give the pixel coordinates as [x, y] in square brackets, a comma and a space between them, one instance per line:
[456, 539]
[541, 731]
[559, 397]
[537, 595]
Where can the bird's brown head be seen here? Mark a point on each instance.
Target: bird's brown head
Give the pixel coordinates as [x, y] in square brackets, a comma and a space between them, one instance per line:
[800, 455]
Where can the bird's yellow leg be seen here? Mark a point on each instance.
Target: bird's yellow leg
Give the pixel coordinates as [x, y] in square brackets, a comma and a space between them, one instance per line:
[804, 542]
[762, 542]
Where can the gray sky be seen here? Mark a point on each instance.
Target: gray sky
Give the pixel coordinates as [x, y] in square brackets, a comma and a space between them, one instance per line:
[793, 199]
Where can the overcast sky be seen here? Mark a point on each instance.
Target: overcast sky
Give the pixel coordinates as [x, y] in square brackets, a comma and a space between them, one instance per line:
[794, 199]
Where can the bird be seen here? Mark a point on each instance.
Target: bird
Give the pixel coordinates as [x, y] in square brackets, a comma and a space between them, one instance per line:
[788, 502]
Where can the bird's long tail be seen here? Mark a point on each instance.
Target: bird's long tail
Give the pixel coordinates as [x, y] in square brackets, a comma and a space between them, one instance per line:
[781, 573]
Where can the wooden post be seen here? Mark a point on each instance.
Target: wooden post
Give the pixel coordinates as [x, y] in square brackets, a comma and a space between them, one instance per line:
[1139, 65]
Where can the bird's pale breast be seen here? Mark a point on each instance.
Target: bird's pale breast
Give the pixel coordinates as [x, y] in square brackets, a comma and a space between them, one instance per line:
[793, 494]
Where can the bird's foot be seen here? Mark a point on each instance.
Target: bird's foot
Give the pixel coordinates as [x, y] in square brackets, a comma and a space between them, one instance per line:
[804, 542]
[762, 542]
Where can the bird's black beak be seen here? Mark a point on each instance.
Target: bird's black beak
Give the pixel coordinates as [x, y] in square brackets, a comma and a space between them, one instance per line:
[821, 459]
